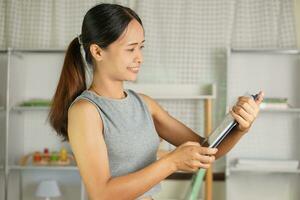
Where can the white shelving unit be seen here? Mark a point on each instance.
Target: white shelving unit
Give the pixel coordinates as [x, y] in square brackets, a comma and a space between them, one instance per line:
[275, 134]
[30, 74]
[34, 73]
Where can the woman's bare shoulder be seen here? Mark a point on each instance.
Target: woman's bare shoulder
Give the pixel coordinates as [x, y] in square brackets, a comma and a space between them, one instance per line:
[82, 106]
[83, 115]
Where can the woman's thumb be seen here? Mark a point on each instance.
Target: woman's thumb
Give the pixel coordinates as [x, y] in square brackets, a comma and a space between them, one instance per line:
[260, 98]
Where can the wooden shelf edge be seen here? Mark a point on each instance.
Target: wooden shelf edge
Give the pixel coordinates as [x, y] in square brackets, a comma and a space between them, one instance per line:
[18, 167]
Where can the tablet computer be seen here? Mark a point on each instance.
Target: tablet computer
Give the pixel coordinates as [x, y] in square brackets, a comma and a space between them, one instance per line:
[219, 134]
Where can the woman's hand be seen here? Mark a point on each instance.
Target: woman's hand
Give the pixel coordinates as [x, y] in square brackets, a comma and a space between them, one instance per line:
[245, 111]
[191, 156]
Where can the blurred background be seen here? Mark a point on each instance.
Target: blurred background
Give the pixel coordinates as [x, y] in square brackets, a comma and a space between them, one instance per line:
[224, 45]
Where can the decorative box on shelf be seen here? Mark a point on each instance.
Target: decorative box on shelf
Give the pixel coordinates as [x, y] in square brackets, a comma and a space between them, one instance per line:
[63, 158]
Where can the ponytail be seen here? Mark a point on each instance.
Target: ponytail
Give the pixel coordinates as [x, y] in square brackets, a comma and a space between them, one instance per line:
[72, 82]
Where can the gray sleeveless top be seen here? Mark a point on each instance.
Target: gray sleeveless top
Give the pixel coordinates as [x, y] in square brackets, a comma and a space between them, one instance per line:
[129, 133]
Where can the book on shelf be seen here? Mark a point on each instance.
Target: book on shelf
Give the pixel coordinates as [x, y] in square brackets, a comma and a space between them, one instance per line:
[265, 164]
[275, 103]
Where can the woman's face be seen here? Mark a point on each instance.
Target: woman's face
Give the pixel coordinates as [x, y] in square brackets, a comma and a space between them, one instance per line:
[122, 59]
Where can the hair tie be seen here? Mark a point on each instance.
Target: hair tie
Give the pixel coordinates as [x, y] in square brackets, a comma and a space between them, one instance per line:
[79, 39]
[88, 68]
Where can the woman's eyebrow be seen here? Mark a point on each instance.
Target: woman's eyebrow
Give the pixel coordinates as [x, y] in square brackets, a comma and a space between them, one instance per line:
[135, 43]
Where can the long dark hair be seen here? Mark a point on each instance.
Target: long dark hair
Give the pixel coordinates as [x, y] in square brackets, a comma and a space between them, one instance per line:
[102, 25]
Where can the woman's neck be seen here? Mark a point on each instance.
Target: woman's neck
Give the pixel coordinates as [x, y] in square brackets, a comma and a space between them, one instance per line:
[110, 89]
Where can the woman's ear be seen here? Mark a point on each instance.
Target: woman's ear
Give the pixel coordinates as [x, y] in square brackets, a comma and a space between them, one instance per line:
[96, 52]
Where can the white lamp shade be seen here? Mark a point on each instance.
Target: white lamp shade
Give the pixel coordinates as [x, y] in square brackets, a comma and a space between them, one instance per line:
[48, 188]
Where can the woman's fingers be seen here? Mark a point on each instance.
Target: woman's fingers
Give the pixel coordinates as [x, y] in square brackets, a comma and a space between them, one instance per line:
[246, 110]
[205, 166]
[199, 157]
[260, 98]
[198, 164]
[207, 159]
[243, 124]
[204, 158]
[247, 100]
[247, 107]
[207, 151]
[249, 117]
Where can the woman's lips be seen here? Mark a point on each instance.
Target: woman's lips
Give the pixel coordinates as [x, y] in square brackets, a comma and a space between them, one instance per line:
[133, 69]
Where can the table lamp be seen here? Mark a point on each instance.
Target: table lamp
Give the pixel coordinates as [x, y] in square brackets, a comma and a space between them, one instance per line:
[47, 189]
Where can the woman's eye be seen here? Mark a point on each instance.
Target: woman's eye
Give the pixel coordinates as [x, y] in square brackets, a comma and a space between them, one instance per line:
[133, 49]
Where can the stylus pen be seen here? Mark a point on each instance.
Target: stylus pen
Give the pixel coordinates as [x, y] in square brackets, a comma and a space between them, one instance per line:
[255, 96]
[198, 178]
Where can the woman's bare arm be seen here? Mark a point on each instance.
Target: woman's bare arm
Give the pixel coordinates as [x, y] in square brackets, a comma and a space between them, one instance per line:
[168, 127]
[176, 133]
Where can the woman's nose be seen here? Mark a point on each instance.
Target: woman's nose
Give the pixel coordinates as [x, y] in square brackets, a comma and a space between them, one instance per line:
[139, 57]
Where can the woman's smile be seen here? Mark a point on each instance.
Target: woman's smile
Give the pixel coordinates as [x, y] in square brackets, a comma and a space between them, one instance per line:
[134, 69]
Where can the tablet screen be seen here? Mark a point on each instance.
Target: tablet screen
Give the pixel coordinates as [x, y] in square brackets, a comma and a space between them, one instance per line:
[218, 135]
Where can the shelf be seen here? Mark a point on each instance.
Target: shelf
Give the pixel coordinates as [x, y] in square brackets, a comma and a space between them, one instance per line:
[29, 50]
[265, 165]
[23, 168]
[264, 51]
[156, 91]
[237, 169]
[30, 108]
[288, 110]
[174, 91]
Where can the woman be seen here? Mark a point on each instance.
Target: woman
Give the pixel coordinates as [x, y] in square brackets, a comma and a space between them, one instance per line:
[114, 133]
